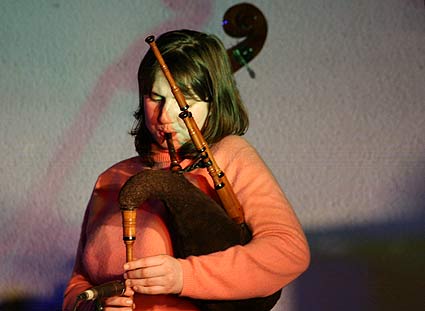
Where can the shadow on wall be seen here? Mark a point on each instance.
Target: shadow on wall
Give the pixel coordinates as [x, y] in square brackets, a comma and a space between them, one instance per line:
[380, 267]
[375, 267]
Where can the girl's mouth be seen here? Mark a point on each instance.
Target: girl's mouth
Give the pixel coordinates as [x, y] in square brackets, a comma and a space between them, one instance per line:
[164, 136]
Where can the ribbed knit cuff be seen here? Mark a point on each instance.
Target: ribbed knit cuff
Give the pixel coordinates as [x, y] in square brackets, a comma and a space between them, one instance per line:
[188, 281]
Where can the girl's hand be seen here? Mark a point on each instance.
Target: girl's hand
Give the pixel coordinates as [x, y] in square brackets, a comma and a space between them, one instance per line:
[120, 303]
[161, 274]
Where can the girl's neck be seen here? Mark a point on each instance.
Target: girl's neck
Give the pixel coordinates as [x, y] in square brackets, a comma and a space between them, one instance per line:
[161, 158]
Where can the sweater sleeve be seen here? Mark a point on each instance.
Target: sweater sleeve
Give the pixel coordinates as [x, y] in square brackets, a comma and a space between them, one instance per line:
[278, 252]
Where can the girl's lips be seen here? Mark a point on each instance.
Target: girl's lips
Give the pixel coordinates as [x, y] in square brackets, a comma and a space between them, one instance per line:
[162, 136]
[163, 133]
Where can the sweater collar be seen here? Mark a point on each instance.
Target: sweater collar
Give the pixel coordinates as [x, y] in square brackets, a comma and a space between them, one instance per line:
[161, 159]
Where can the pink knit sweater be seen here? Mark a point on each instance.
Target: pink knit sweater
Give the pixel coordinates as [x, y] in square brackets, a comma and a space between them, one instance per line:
[276, 255]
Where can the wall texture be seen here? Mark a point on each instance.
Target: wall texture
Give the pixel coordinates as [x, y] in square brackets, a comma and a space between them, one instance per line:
[337, 111]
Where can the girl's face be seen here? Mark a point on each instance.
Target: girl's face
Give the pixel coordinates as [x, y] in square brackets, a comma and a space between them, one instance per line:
[162, 113]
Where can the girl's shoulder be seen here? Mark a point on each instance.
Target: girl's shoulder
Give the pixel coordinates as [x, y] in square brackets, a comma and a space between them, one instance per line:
[233, 142]
[233, 147]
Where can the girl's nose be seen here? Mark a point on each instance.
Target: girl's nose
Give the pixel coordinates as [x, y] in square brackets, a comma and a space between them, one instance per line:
[169, 111]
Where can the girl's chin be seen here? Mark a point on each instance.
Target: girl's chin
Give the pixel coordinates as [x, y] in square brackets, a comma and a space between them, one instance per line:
[161, 142]
[160, 146]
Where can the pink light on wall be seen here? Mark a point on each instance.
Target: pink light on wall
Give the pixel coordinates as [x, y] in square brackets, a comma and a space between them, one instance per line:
[42, 254]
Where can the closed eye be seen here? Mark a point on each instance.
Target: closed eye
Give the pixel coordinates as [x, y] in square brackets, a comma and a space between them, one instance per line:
[156, 97]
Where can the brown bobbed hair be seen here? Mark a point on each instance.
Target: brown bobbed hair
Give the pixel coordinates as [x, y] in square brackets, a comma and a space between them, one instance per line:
[201, 68]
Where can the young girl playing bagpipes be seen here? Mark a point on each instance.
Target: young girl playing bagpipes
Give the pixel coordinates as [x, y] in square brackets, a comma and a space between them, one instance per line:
[161, 276]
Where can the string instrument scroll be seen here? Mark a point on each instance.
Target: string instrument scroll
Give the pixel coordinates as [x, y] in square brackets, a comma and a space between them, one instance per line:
[245, 21]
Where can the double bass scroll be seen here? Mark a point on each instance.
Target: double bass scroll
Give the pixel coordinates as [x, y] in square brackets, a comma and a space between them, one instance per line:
[245, 21]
